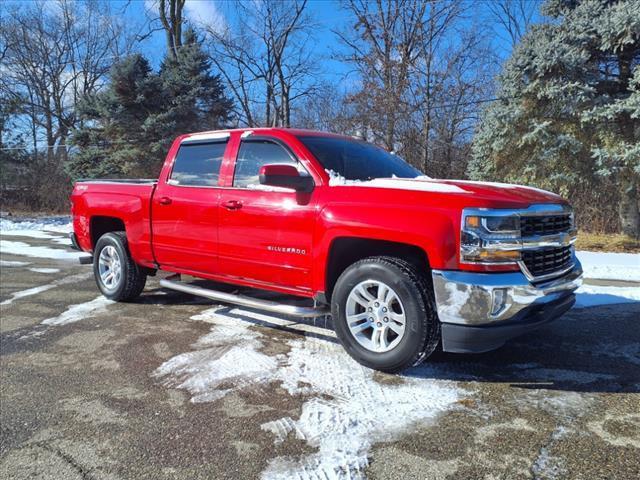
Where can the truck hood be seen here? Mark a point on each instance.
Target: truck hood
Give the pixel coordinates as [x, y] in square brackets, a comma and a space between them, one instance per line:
[490, 193]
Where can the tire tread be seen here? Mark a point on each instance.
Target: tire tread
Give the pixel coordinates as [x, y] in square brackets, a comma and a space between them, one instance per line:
[430, 322]
[135, 278]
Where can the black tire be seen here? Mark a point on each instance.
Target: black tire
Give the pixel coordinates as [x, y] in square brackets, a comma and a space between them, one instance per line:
[132, 279]
[422, 328]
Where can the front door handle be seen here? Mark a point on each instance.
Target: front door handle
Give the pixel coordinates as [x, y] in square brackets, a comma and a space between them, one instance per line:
[165, 201]
[233, 205]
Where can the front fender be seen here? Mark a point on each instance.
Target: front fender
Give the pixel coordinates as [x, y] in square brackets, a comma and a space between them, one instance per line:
[433, 231]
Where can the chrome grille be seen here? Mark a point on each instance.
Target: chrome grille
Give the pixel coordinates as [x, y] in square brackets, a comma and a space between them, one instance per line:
[544, 224]
[546, 261]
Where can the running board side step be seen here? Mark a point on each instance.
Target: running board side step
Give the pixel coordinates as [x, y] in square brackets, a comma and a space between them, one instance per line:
[242, 300]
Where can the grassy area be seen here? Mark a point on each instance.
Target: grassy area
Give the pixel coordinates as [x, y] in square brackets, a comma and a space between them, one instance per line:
[600, 242]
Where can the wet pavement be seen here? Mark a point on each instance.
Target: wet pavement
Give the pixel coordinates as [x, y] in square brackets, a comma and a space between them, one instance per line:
[172, 386]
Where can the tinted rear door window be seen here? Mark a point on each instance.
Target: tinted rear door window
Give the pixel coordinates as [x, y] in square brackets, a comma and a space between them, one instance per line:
[198, 165]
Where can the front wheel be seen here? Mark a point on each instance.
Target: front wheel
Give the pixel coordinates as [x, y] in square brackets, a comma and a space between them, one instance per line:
[118, 277]
[384, 314]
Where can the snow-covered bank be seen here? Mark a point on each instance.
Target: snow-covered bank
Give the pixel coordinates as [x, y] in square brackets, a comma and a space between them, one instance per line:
[594, 295]
[610, 266]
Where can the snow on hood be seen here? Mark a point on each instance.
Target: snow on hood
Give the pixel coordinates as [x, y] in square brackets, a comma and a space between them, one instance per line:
[422, 183]
[488, 190]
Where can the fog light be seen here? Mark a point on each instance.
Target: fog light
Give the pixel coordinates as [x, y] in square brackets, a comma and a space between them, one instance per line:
[499, 301]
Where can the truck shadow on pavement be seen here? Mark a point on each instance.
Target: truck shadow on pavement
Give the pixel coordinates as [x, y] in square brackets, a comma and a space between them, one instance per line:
[594, 349]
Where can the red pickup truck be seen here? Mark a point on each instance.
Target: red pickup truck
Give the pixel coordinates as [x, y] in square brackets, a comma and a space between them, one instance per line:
[401, 261]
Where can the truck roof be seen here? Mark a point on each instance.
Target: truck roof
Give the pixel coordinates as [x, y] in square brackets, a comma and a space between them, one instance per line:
[271, 130]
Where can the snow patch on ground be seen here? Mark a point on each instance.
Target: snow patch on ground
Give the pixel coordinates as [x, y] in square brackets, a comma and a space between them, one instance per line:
[27, 293]
[346, 412]
[594, 295]
[12, 263]
[62, 241]
[24, 249]
[610, 266]
[52, 224]
[44, 270]
[28, 233]
[80, 311]
[43, 288]
[349, 411]
[228, 354]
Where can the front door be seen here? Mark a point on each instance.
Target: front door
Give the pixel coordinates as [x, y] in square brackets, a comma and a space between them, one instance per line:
[185, 209]
[265, 233]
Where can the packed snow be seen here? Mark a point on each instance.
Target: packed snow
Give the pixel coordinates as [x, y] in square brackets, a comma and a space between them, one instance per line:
[345, 413]
[610, 266]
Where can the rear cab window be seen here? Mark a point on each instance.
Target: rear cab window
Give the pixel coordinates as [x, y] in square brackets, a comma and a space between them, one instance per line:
[197, 164]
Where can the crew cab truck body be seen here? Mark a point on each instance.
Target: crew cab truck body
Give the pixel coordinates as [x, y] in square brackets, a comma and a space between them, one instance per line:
[404, 262]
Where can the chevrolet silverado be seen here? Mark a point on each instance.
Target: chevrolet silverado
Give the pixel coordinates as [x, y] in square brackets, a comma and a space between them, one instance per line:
[402, 262]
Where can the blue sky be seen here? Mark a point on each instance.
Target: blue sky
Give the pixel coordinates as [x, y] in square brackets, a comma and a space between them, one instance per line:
[327, 14]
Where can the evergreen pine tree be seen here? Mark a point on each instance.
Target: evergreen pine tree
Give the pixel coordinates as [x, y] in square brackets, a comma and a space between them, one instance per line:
[569, 118]
[129, 126]
[193, 97]
[115, 138]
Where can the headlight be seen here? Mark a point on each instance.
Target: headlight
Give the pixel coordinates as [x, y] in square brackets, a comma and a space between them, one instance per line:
[489, 237]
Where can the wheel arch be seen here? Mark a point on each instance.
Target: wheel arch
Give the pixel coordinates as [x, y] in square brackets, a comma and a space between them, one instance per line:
[345, 251]
[101, 224]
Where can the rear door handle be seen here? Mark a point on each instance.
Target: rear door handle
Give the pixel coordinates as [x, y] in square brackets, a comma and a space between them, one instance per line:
[233, 205]
[165, 201]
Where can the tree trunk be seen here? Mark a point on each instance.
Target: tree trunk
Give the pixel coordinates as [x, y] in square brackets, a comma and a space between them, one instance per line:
[630, 205]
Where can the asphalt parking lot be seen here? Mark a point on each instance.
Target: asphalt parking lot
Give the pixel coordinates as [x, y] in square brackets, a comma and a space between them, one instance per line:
[173, 386]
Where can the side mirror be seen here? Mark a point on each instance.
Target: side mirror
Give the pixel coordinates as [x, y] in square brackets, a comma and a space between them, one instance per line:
[285, 176]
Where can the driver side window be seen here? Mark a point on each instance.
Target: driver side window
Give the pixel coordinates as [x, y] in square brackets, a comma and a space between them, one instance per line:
[254, 154]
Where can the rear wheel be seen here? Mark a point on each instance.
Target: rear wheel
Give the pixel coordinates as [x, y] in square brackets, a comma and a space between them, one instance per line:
[118, 277]
[384, 313]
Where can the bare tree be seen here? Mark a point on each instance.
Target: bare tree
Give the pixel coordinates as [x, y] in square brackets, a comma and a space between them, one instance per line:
[384, 46]
[170, 12]
[266, 59]
[432, 69]
[54, 54]
[514, 16]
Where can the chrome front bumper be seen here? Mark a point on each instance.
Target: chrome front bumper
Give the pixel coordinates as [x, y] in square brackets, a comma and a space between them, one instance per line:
[497, 306]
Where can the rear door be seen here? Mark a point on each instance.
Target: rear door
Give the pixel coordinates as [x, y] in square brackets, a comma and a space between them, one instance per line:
[265, 233]
[185, 208]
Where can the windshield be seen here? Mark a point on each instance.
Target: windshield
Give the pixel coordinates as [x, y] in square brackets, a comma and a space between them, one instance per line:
[356, 159]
